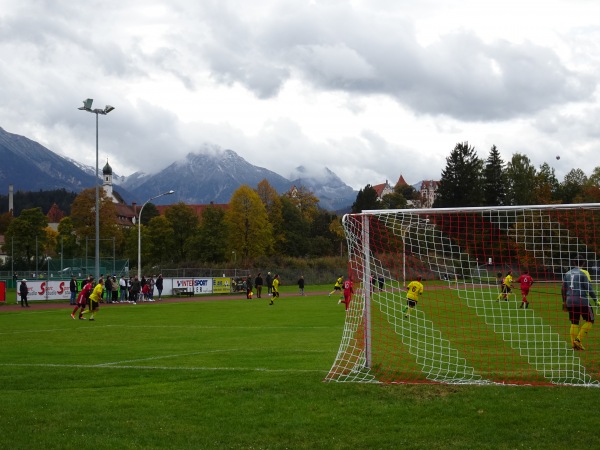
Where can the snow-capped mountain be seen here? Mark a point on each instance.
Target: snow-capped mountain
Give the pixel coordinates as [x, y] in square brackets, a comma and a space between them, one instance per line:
[211, 175]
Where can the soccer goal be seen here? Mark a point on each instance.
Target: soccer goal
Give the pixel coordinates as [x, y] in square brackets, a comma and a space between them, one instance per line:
[464, 330]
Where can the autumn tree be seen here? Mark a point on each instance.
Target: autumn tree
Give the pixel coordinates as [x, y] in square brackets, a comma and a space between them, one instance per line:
[305, 201]
[27, 235]
[272, 202]
[184, 223]
[571, 189]
[547, 187]
[250, 233]
[66, 242]
[83, 216]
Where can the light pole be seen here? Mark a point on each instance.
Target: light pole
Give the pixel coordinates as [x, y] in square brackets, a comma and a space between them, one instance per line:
[87, 106]
[139, 272]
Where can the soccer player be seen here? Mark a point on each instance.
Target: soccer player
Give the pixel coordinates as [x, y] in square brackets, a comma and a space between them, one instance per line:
[506, 286]
[525, 280]
[348, 291]
[576, 290]
[95, 298]
[275, 288]
[415, 289]
[82, 299]
[337, 287]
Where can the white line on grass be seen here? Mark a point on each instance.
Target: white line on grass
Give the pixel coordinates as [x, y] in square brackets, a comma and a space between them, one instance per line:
[207, 369]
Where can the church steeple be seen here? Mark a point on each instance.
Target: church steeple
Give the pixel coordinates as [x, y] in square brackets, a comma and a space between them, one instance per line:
[107, 179]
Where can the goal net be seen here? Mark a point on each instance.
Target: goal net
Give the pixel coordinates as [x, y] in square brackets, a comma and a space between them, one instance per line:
[464, 328]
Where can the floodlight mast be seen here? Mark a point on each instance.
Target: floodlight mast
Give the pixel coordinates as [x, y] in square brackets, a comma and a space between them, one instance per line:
[87, 106]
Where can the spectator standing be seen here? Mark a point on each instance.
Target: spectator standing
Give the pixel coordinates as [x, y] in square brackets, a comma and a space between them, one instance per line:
[301, 284]
[248, 287]
[74, 290]
[159, 285]
[258, 282]
[23, 291]
[115, 291]
[123, 288]
[136, 288]
[108, 287]
[269, 282]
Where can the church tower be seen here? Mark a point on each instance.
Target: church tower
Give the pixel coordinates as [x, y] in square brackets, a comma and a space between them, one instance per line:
[107, 180]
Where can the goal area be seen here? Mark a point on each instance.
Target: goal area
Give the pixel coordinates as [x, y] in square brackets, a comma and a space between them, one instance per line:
[464, 329]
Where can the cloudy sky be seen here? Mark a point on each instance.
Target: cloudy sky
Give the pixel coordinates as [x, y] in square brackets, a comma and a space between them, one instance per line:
[369, 88]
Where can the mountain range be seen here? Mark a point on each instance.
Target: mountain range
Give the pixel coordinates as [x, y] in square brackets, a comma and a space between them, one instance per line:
[199, 178]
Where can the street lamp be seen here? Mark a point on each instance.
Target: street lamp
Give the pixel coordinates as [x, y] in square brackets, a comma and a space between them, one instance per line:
[140, 231]
[87, 106]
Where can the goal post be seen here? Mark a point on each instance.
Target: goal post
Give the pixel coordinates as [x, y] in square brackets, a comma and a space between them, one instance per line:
[466, 328]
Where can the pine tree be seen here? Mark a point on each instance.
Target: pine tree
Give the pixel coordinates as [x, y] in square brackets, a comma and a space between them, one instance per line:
[494, 180]
[366, 199]
[461, 180]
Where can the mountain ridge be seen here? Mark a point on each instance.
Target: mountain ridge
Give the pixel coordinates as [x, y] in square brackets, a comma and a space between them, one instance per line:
[198, 178]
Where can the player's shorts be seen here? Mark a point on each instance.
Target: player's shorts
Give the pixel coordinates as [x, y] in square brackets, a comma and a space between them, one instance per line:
[525, 291]
[94, 305]
[411, 303]
[577, 312]
[337, 288]
[506, 289]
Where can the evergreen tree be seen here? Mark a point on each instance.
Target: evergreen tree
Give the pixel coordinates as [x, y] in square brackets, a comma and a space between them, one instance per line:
[366, 199]
[461, 181]
[494, 180]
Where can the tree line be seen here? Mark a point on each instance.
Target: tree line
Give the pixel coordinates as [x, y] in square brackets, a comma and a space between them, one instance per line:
[258, 222]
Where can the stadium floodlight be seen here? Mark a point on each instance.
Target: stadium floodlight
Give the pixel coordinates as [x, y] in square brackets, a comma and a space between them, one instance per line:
[139, 271]
[87, 106]
[468, 329]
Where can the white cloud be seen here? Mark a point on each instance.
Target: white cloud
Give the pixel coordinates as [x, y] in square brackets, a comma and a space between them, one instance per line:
[369, 88]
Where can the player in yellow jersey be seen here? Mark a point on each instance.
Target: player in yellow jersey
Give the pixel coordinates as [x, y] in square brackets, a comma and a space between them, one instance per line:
[337, 287]
[275, 290]
[95, 297]
[506, 286]
[415, 289]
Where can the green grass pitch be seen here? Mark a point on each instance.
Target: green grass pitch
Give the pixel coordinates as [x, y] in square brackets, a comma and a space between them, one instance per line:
[242, 374]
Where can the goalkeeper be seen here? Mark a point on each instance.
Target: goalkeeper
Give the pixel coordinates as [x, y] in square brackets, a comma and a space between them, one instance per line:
[576, 290]
[415, 289]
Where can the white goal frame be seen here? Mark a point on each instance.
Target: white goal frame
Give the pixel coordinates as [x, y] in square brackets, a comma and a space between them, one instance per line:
[422, 347]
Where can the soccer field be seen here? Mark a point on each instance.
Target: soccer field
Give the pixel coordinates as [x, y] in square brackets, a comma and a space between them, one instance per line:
[241, 374]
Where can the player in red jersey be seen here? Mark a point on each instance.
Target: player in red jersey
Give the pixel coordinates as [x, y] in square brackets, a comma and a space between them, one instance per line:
[525, 281]
[348, 291]
[82, 298]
